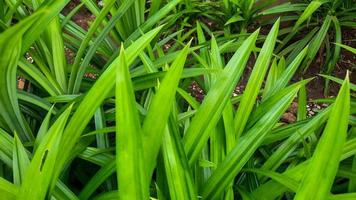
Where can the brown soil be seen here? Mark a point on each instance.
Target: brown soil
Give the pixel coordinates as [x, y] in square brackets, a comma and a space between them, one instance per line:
[83, 17]
[347, 62]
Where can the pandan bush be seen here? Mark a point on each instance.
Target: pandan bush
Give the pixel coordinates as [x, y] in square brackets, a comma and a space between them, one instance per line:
[110, 110]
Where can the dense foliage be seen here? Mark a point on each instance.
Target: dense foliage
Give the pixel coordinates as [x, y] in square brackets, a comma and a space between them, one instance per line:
[108, 111]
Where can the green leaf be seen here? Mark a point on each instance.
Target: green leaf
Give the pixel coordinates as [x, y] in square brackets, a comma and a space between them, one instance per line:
[308, 12]
[69, 16]
[346, 196]
[283, 179]
[43, 130]
[59, 57]
[297, 172]
[286, 7]
[36, 101]
[160, 108]
[49, 10]
[246, 146]
[179, 175]
[107, 196]
[272, 77]
[94, 98]
[339, 81]
[13, 43]
[214, 103]
[302, 104]
[233, 19]
[287, 147]
[20, 161]
[338, 39]
[62, 192]
[78, 68]
[6, 148]
[150, 80]
[288, 73]
[108, 169]
[8, 190]
[317, 42]
[46, 82]
[44, 162]
[255, 81]
[10, 48]
[320, 174]
[352, 50]
[129, 148]
[298, 46]
[245, 195]
[188, 98]
[150, 22]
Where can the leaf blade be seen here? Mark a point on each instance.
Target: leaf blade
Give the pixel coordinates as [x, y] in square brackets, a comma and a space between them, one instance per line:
[129, 159]
[331, 143]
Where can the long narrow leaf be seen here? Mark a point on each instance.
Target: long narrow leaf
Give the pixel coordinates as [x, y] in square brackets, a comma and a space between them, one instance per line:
[210, 111]
[246, 146]
[321, 172]
[129, 149]
[255, 81]
[44, 162]
[160, 108]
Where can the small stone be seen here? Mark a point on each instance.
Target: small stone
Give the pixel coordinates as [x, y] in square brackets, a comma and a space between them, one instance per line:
[288, 118]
